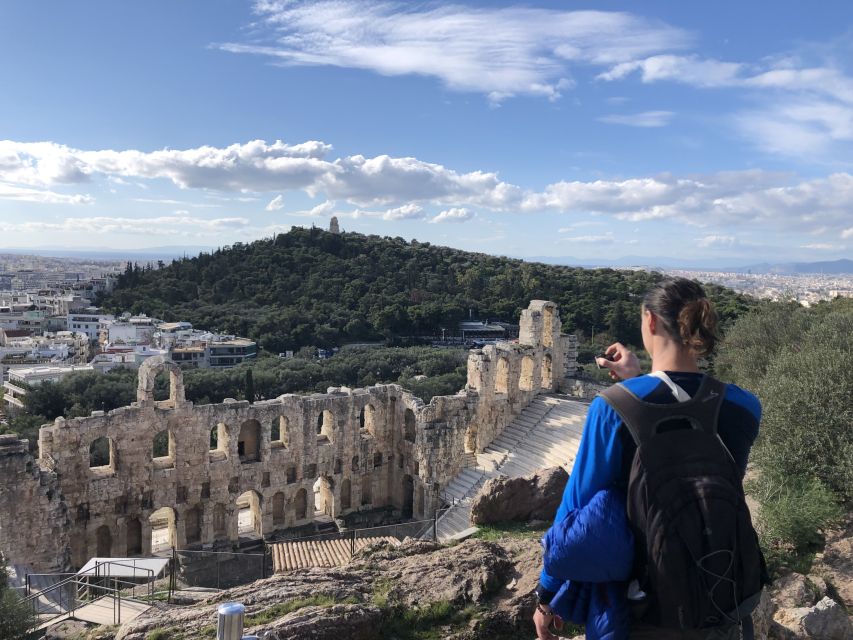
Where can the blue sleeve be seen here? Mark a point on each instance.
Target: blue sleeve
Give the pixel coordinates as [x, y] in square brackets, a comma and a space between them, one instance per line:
[597, 466]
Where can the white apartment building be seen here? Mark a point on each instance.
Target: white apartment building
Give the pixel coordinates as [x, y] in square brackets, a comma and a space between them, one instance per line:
[88, 323]
[18, 378]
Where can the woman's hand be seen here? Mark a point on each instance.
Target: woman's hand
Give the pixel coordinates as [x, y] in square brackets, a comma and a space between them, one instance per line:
[624, 364]
[542, 618]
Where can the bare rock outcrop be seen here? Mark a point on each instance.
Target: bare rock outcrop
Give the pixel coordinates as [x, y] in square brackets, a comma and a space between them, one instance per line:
[532, 497]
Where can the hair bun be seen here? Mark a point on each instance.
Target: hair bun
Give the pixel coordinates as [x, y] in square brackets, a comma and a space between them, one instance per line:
[697, 326]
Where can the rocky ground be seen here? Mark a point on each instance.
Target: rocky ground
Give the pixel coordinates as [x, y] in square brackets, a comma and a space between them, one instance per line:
[477, 589]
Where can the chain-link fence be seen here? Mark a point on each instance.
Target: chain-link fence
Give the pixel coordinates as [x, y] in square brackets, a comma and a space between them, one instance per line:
[219, 569]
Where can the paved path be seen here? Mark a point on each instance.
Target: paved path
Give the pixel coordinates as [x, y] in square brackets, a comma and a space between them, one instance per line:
[103, 611]
[546, 434]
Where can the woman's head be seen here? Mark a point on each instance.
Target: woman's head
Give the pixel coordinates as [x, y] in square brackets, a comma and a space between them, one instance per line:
[684, 314]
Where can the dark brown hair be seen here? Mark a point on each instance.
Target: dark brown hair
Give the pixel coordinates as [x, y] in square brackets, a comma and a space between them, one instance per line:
[685, 312]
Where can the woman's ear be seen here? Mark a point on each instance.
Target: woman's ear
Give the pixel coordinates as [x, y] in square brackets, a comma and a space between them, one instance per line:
[652, 322]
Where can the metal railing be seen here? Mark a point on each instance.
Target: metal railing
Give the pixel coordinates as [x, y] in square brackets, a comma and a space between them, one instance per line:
[86, 588]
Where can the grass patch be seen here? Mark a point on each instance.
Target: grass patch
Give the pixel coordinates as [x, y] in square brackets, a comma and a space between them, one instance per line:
[208, 632]
[500, 530]
[381, 591]
[430, 622]
[279, 610]
[159, 634]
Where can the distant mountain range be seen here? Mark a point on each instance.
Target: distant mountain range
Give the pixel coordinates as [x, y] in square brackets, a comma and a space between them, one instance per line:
[843, 266]
[167, 254]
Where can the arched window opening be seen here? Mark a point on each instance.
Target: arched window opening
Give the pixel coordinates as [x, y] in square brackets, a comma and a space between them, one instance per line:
[162, 523]
[324, 497]
[300, 504]
[367, 420]
[249, 441]
[325, 427]
[279, 437]
[355, 463]
[547, 380]
[502, 376]
[249, 515]
[163, 450]
[377, 459]
[101, 455]
[278, 510]
[104, 540]
[526, 381]
[291, 474]
[409, 425]
[219, 442]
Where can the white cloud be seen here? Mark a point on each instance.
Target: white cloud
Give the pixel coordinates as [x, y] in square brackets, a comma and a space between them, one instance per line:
[500, 52]
[717, 241]
[163, 225]
[644, 119]
[453, 215]
[275, 204]
[687, 69]
[25, 194]
[406, 212]
[821, 246]
[603, 238]
[847, 233]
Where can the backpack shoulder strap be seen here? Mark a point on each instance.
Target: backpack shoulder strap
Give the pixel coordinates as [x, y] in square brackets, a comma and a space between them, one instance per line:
[643, 418]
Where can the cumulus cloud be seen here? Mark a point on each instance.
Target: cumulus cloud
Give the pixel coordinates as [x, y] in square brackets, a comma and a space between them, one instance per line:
[275, 204]
[717, 241]
[602, 238]
[500, 52]
[406, 212]
[454, 215]
[644, 119]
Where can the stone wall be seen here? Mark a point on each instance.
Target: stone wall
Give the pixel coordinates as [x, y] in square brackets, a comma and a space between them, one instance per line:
[177, 474]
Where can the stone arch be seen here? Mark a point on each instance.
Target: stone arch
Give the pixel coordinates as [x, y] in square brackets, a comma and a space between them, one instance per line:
[133, 536]
[502, 375]
[220, 522]
[192, 525]
[325, 426]
[163, 530]
[547, 375]
[249, 441]
[324, 496]
[279, 433]
[408, 502]
[355, 463]
[526, 380]
[346, 494]
[163, 450]
[278, 510]
[103, 542]
[102, 454]
[148, 371]
[300, 504]
[409, 425]
[250, 520]
[367, 419]
[548, 326]
[219, 442]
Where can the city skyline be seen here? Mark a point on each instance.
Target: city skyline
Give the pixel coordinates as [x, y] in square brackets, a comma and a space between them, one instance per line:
[697, 133]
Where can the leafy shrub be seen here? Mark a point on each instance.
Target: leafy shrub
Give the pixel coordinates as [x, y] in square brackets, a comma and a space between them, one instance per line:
[16, 618]
[793, 513]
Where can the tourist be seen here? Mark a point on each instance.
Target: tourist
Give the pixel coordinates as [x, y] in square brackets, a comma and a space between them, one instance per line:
[678, 328]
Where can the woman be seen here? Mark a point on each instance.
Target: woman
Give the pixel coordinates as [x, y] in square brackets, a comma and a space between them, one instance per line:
[678, 327]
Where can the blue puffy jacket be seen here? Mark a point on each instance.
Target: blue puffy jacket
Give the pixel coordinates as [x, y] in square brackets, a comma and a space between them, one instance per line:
[592, 550]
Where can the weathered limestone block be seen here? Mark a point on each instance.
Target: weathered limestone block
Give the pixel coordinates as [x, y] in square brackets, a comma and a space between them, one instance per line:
[533, 497]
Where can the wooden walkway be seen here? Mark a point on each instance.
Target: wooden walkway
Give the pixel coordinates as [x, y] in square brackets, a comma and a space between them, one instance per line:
[102, 611]
[287, 556]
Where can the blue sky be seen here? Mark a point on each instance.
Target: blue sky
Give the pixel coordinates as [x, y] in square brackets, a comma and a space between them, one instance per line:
[713, 132]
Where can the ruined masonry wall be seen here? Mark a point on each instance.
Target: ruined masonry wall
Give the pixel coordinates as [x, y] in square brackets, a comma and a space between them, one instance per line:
[379, 446]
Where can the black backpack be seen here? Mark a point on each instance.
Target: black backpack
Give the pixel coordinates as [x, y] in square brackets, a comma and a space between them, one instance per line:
[698, 558]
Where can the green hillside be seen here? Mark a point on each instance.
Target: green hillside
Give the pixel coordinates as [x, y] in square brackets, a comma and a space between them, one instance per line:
[312, 287]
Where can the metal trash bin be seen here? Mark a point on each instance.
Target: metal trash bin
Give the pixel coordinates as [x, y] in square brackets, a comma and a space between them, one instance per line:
[229, 625]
